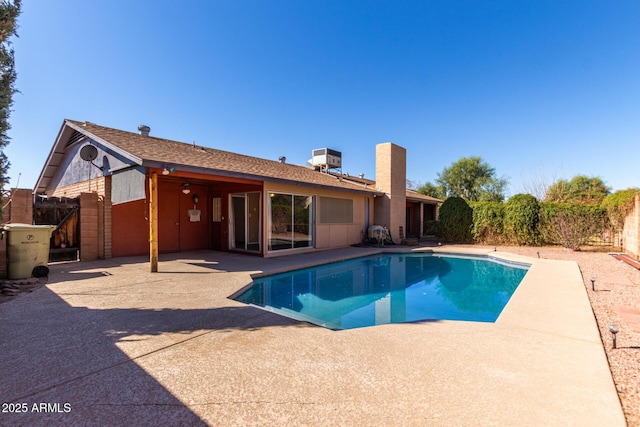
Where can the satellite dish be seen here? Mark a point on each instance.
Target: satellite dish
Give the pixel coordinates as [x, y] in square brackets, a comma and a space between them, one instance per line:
[88, 153]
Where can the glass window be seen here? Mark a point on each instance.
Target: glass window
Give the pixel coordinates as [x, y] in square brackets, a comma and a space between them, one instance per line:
[291, 221]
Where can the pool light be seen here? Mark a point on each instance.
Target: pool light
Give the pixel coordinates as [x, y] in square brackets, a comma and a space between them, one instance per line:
[613, 328]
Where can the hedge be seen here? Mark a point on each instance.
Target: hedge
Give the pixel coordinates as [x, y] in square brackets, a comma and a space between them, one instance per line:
[521, 220]
[456, 218]
[488, 222]
[619, 205]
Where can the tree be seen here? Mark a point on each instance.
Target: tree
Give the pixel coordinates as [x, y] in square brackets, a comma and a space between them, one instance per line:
[9, 11]
[580, 189]
[413, 185]
[433, 190]
[538, 185]
[472, 179]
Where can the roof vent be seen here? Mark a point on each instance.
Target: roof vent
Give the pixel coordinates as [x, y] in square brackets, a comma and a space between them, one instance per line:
[282, 159]
[144, 130]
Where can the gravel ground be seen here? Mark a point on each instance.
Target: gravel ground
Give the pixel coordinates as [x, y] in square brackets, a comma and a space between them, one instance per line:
[617, 285]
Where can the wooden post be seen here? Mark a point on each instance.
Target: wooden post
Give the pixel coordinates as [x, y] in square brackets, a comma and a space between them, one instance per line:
[153, 222]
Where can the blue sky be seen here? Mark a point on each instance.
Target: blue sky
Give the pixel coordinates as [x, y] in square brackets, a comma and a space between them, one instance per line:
[541, 90]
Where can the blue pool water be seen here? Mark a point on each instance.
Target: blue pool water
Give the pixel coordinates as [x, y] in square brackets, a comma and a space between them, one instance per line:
[390, 288]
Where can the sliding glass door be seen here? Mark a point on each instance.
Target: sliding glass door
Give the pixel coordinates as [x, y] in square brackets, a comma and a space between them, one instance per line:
[245, 221]
[291, 221]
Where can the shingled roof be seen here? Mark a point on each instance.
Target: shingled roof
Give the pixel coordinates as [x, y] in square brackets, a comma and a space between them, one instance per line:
[411, 195]
[151, 151]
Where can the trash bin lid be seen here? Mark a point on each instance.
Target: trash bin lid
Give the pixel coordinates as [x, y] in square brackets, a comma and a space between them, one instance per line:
[24, 227]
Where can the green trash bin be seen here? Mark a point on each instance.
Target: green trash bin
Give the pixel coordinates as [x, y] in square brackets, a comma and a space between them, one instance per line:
[27, 248]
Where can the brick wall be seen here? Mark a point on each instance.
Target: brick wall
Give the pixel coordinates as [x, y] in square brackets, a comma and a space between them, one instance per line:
[391, 177]
[89, 238]
[631, 231]
[20, 209]
[96, 185]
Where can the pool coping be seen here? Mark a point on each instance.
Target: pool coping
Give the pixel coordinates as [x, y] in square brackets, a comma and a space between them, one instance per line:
[292, 314]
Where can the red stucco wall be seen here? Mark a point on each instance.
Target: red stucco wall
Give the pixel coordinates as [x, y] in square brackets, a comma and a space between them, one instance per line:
[130, 229]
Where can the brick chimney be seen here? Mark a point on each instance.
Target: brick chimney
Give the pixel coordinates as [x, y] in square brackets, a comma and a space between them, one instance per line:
[391, 178]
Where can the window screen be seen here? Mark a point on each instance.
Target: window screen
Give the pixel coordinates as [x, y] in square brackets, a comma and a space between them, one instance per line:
[336, 211]
[217, 209]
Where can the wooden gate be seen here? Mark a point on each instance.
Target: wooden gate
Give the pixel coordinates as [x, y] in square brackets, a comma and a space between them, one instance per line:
[65, 214]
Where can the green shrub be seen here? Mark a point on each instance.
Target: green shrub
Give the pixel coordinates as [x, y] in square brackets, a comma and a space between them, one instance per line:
[521, 216]
[488, 222]
[618, 205]
[456, 218]
[571, 224]
[431, 228]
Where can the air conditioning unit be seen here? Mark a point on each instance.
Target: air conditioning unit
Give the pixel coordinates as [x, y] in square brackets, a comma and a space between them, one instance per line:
[326, 158]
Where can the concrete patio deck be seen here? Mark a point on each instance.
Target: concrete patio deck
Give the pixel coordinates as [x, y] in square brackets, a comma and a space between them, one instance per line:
[122, 346]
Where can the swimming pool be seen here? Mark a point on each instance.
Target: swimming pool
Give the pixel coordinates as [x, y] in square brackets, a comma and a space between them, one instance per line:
[390, 288]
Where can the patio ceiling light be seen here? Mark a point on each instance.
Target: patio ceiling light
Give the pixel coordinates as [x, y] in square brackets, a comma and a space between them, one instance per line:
[186, 189]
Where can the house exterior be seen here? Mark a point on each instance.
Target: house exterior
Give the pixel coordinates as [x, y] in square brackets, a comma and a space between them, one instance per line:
[214, 199]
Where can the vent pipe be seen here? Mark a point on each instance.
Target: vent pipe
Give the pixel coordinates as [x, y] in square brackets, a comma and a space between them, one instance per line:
[144, 130]
[282, 159]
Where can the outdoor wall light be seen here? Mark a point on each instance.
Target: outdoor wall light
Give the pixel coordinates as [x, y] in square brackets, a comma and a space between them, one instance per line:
[593, 283]
[186, 189]
[613, 328]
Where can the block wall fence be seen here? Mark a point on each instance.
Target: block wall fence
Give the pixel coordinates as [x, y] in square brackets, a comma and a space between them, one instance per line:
[631, 231]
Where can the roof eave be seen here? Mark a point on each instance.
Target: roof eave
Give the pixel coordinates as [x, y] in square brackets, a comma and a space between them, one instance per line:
[58, 152]
[241, 175]
[44, 178]
[135, 159]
